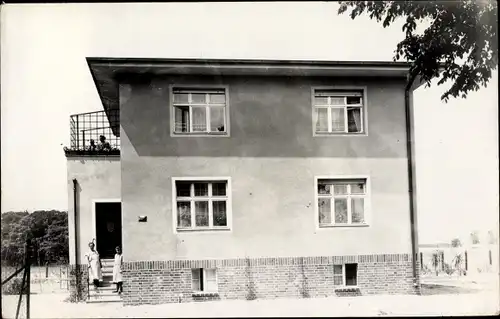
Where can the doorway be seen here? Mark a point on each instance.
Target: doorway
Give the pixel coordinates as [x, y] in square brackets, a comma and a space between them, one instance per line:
[108, 228]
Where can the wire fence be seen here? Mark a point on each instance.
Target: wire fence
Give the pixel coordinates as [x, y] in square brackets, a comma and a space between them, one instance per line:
[14, 285]
[44, 279]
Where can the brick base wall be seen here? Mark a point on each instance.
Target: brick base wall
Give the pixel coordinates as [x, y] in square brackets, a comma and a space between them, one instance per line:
[78, 287]
[156, 282]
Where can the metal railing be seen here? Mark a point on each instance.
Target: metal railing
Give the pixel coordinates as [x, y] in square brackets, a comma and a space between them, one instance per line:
[87, 130]
[25, 285]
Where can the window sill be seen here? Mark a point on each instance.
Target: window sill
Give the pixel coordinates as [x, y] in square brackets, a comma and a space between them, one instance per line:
[204, 294]
[347, 289]
[194, 230]
[316, 134]
[200, 134]
[344, 226]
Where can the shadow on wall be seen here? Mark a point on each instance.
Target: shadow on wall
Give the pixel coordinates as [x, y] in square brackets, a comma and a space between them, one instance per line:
[269, 117]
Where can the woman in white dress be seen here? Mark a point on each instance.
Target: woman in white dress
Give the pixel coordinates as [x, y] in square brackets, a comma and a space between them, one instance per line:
[117, 270]
[95, 266]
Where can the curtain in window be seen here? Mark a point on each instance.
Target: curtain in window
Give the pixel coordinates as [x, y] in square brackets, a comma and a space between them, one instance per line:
[183, 214]
[181, 119]
[321, 120]
[217, 119]
[354, 119]
[199, 119]
[338, 120]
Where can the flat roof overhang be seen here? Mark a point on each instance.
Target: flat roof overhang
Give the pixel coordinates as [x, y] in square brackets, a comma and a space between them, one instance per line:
[106, 72]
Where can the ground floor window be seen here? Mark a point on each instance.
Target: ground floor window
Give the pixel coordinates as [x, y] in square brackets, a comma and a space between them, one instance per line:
[204, 280]
[341, 201]
[201, 204]
[345, 275]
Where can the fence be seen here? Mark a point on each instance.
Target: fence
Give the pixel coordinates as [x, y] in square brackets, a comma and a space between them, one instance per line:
[459, 261]
[13, 285]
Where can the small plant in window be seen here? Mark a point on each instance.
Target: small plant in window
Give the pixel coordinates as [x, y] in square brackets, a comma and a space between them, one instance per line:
[341, 202]
[199, 111]
[201, 204]
[338, 111]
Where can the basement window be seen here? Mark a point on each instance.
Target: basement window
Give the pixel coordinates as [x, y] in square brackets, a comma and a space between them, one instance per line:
[204, 280]
[345, 275]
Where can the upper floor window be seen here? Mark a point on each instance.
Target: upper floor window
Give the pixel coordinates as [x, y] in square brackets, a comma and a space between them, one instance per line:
[199, 111]
[338, 112]
[341, 202]
[201, 204]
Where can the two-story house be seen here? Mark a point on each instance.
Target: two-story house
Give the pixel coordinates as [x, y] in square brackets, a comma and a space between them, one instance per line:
[245, 179]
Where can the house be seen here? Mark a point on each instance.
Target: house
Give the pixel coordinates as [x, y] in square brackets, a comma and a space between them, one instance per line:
[245, 179]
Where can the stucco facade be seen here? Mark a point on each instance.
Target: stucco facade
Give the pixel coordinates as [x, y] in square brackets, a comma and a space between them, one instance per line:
[273, 245]
[272, 159]
[98, 180]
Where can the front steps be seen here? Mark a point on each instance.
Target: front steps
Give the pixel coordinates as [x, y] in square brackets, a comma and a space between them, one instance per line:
[105, 290]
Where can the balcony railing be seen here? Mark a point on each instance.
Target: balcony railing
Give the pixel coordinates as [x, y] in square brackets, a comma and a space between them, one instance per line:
[94, 132]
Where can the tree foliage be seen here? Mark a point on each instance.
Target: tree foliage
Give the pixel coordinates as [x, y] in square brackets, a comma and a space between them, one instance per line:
[474, 237]
[47, 229]
[461, 40]
[456, 242]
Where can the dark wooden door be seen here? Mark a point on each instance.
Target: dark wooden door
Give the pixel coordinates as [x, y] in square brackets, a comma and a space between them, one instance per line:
[108, 228]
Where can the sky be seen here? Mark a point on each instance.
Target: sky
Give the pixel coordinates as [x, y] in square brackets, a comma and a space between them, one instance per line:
[45, 79]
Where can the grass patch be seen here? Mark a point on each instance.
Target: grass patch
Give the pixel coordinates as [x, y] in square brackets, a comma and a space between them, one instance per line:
[433, 289]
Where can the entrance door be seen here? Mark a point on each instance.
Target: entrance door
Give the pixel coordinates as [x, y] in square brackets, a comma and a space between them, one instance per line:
[108, 228]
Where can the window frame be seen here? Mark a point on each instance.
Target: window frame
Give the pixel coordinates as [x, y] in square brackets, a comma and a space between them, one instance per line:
[367, 202]
[364, 111]
[344, 285]
[206, 179]
[208, 87]
[203, 270]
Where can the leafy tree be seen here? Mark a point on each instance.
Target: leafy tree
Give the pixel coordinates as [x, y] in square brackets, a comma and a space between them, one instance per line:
[457, 263]
[47, 229]
[474, 237]
[435, 261]
[461, 39]
[456, 243]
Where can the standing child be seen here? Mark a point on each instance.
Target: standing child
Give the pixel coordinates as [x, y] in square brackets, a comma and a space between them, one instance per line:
[117, 270]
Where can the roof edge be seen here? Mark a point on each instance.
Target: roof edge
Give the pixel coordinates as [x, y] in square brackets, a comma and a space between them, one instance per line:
[244, 62]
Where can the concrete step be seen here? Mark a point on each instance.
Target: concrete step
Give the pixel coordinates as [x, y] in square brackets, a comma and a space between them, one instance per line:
[108, 287]
[104, 299]
[102, 293]
[103, 284]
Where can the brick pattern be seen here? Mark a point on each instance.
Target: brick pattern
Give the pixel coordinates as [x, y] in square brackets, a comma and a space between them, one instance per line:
[157, 282]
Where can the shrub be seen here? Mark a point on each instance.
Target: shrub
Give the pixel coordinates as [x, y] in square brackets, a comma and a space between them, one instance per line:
[448, 269]
[13, 287]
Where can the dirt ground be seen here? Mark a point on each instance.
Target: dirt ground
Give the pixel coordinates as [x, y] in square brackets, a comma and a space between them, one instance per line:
[441, 297]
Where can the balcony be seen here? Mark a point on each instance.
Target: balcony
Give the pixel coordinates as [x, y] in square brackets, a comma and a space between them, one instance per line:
[94, 134]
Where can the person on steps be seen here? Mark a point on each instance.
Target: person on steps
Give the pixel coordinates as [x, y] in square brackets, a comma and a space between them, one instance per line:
[94, 266]
[117, 270]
